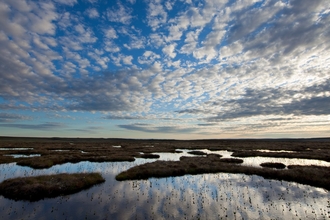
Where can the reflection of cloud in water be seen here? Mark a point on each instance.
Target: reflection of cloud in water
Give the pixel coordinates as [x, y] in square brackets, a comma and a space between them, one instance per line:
[15, 148]
[22, 155]
[209, 196]
[275, 151]
[248, 161]
[256, 161]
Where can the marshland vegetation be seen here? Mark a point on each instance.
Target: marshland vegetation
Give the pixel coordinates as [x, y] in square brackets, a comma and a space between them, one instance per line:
[224, 182]
[48, 186]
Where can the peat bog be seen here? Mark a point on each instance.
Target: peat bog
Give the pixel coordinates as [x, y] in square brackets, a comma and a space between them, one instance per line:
[48, 186]
[141, 162]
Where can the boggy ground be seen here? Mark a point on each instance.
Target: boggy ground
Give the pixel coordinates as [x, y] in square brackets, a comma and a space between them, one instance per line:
[102, 150]
[48, 186]
[312, 175]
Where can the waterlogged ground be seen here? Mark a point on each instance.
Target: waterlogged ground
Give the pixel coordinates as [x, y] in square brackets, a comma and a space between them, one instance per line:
[207, 196]
[247, 161]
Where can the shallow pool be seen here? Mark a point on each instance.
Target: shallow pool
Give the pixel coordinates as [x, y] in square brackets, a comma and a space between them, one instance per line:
[206, 196]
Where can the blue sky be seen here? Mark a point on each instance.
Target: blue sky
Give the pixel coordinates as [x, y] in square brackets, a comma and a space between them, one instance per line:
[179, 69]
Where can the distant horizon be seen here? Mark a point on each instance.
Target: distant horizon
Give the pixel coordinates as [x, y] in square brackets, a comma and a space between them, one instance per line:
[147, 139]
[153, 69]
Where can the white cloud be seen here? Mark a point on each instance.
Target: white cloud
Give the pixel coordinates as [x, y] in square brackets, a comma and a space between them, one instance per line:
[120, 14]
[136, 42]
[110, 46]
[169, 5]
[156, 40]
[37, 42]
[110, 33]
[67, 2]
[92, 13]
[219, 60]
[20, 5]
[232, 49]
[148, 57]
[127, 60]
[65, 20]
[169, 50]
[190, 41]
[84, 35]
[156, 14]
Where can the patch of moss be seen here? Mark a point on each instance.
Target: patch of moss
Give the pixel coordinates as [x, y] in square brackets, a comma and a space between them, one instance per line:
[48, 186]
[273, 165]
[196, 152]
[312, 175]
[231, 160]
[149, 156]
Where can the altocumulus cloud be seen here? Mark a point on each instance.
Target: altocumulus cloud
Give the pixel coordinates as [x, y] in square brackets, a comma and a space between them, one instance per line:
[157, 129]
[206, 67]
[44, 126]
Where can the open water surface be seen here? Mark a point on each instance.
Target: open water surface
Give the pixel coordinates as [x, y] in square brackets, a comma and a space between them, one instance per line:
[206, 196]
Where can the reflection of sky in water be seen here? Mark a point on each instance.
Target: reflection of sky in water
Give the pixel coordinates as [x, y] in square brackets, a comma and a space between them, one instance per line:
[276, 151]
[22, 155]
[256, 161]
[248, 161]
[208, 196]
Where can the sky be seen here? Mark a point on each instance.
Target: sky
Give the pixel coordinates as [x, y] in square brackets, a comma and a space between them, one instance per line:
[177, 69]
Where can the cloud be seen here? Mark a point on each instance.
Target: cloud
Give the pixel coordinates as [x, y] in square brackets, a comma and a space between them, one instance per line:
[136, 42]
[92, 13]
[156, 14]
[169, 50]
[190, 111]
[67, 2]
[110, 33]
[312, 100]
[131, 1]
[43, 127]
[158, 129]
[121, 14]
[148, 57]
[90, 129]
[117, 117]
[211, 61]
[6, 117]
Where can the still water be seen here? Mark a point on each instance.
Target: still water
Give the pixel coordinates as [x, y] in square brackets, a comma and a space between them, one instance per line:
[207, 196]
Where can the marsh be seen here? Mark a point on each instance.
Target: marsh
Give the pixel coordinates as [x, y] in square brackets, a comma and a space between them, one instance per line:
[204, 195]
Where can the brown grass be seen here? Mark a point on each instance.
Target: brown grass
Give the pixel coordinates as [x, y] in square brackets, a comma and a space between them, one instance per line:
[149, 156]
[312, 175]
[196, 152]
[101, 150]
[273, 165]
[48, 186]
[231, 160]
[317, 154]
